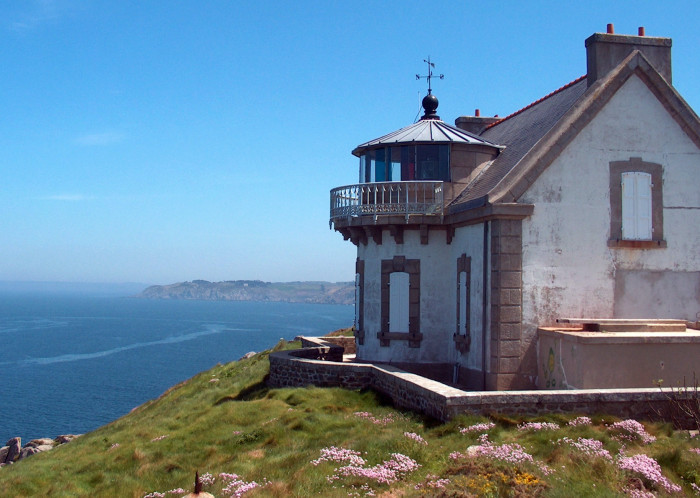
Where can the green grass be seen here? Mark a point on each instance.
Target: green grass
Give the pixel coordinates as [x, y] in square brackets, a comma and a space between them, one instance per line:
[226, 420]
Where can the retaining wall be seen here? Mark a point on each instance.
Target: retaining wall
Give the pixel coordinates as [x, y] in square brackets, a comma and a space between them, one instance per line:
[303, 367]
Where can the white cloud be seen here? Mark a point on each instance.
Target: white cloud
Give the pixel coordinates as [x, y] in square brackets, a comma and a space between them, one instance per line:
[104, 138]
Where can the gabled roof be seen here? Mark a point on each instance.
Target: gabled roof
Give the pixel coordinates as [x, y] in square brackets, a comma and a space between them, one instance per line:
[537, 134]
[425, 131]
[519, 132]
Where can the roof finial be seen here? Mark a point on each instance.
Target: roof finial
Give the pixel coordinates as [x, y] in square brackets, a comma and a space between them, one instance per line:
[430, 101]
[430, 74]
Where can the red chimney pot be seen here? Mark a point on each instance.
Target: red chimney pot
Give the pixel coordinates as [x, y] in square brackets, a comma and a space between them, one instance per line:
[611, 28]
[640, 31]
[477, 113]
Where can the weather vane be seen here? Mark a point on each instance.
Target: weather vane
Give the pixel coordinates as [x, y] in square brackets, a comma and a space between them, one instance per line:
[430, 74]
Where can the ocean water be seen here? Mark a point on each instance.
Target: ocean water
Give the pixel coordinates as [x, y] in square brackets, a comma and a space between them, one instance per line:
[71, 362]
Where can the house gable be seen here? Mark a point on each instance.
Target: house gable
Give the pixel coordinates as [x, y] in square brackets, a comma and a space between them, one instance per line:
[527, 170]
[574, 261]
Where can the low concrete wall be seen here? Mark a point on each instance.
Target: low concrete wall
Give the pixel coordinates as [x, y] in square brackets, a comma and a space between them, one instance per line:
[579, 359]
[298, 368]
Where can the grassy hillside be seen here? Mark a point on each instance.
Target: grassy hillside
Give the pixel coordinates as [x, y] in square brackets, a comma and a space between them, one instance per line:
[229, 426]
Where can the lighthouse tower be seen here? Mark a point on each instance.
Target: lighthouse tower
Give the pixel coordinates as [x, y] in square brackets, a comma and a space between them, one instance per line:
[415, 282]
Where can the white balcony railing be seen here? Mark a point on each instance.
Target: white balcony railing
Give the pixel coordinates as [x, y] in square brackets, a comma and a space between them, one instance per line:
[387, 198]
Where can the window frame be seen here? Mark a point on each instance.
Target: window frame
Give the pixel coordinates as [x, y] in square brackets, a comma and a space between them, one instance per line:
[636, 165]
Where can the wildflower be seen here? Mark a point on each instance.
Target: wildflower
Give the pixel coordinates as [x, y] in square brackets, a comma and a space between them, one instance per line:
[649, 469]
[695, 450]
[114, 446]
[509, 453]
[211, 381]
[639, 493]
[157, 494]
[589, 447]
[695, 488]
[340, 455]
[433, 482]
[631, 430]
[415, 437]
[207, 479]
[456, 455]
[386, 472]
[538, 426]
[159, 438]
[377, 421]
[235, 486]
[485, 427]
[580, 421]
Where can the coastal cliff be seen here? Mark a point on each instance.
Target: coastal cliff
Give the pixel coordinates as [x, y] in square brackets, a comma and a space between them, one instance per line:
[255, 290]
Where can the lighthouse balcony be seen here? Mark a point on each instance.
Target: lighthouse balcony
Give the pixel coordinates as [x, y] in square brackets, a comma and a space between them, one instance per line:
[372, 203]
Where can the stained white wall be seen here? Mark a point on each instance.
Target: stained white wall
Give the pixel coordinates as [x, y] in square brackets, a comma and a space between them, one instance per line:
[438, 297]
[568, 268]
[469, 240]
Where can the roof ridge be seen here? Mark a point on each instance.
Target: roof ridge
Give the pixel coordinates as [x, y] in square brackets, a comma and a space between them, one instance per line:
[568, 85]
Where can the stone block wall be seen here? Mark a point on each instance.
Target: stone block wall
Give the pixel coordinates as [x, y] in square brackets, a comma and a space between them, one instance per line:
[301, 368]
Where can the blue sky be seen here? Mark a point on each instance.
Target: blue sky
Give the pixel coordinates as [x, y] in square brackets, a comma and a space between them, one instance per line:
[159, 141]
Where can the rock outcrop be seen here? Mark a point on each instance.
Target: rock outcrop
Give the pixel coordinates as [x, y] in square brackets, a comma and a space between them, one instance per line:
[14, 451]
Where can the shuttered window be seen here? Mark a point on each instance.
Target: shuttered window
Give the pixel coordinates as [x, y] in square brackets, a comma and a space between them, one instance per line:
[636, 206]
[398, 302]
[463, 298]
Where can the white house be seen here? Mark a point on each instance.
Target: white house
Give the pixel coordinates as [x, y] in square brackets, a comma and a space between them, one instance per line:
[586, 203]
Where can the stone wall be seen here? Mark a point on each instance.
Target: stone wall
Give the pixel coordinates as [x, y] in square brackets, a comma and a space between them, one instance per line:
[300, 368]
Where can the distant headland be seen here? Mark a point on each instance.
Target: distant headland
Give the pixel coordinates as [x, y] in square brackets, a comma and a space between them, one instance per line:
[255, 290]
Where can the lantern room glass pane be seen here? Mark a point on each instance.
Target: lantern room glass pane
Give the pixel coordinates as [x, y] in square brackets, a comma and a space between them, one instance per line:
[432, 162]
[406, 163]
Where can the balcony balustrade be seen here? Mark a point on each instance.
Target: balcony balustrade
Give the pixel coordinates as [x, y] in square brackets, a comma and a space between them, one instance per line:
[387, 198]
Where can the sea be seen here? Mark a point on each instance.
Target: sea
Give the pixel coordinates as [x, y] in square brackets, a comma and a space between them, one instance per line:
[72, 361]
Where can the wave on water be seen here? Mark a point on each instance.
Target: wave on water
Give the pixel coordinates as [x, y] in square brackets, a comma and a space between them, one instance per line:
[209, 330]
[31, 325]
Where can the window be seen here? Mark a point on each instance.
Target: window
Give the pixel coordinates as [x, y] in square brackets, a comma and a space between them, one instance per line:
[360, 301]
[462, 336]
[400, 301]
[636, 204]
[406, 163]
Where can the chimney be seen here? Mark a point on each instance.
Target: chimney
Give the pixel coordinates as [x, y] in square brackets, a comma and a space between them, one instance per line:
[474, 124]
[604, 51]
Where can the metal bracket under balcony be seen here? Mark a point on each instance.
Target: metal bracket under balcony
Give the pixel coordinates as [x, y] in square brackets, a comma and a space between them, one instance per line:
[387, 199]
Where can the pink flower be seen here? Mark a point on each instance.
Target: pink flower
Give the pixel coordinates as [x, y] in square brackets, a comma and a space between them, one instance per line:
[433, 482]
[649, 468]
[589, 447]
[235, 486]
[159, 438]
[580, 421]
[207, 479]
[340, 455]
[377, 421]
[538, 426]
[415, 437]
[485, 427]
[631, 430]
[509, 453]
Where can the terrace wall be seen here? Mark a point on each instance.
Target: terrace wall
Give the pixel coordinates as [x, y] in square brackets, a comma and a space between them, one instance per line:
[304, 367]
